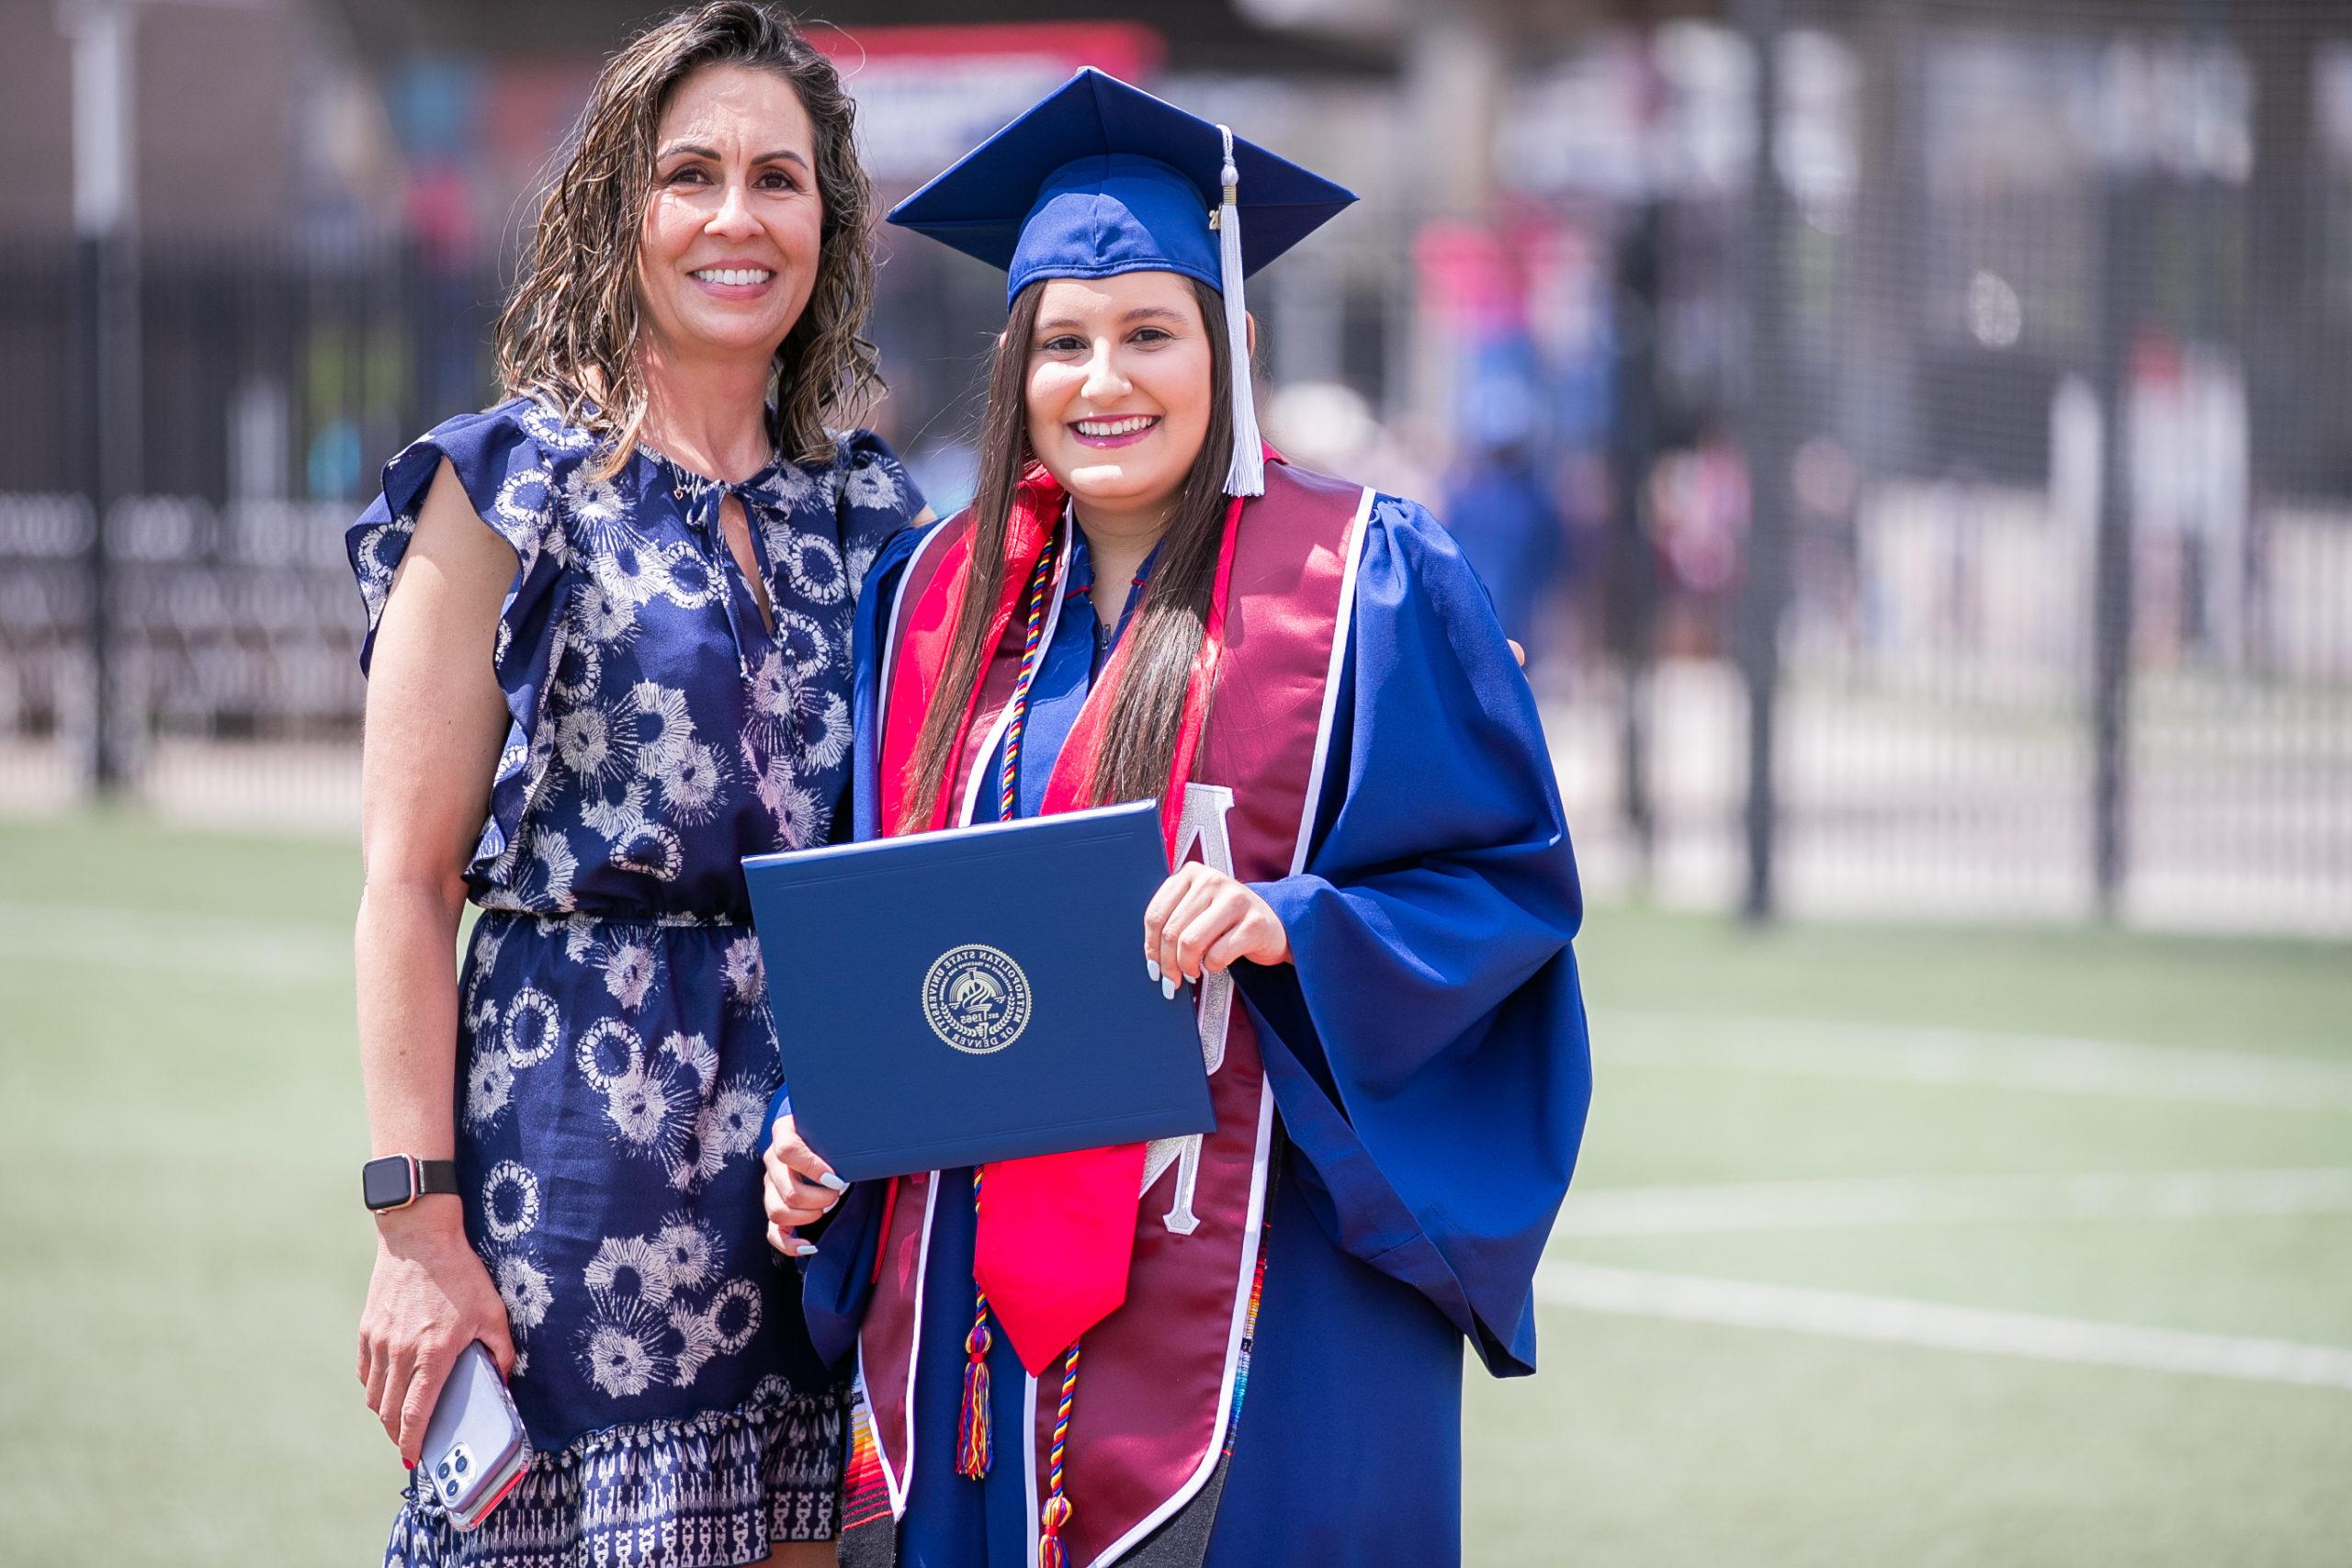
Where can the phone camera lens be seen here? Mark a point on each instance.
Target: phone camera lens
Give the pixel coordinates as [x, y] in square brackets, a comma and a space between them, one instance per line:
[461, 1464]
[445, 1469]
[450, 1487]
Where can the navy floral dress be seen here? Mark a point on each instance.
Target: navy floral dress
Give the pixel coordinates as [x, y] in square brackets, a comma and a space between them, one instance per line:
[615, 1048]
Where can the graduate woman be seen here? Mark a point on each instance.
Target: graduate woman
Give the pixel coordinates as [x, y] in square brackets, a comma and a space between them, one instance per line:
[1244, 1348]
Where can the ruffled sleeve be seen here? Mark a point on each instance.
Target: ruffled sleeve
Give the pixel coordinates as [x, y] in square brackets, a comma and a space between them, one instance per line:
[1427, 1045]
[511, 459]
[874, 499]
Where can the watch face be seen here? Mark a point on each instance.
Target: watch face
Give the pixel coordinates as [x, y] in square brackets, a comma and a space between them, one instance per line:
[386, 1182]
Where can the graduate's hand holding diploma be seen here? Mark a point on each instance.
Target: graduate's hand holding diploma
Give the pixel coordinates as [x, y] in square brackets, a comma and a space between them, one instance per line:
[1201, 918]
[801, 1190]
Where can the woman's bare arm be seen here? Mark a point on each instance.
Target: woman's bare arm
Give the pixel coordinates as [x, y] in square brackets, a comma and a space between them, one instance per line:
[436, 724]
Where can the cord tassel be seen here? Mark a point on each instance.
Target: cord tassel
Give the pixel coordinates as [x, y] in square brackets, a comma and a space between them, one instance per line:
[1052, 1552]
[974, 1448]
[1246, 473]
[972, 1432]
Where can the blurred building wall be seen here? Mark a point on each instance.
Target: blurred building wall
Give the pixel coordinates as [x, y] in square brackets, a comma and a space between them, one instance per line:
[251, 119]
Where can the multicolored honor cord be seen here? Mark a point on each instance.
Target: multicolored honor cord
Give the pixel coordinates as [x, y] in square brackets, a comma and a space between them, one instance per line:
[974, 1446]
[1052, 1552]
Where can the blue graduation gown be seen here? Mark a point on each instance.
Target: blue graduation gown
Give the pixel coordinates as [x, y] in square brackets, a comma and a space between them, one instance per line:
[1428, 1056]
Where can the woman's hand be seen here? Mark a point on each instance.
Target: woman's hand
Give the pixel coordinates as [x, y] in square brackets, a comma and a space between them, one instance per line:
[1201, 918]
[801, 1189]
[429, 1298]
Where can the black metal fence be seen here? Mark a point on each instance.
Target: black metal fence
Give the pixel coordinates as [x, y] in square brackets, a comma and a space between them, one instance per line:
[1982, 536]
[221, 407]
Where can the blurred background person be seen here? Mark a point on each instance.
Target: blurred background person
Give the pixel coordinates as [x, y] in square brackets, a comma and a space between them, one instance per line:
[1498, 507]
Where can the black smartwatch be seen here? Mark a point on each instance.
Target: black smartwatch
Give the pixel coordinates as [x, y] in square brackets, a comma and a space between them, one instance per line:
[397, 1180]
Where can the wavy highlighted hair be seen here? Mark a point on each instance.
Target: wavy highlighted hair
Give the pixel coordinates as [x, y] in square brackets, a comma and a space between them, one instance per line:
[569, 334]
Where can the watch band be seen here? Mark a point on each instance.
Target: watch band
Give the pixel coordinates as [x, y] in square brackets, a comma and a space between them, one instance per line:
[394, 1181]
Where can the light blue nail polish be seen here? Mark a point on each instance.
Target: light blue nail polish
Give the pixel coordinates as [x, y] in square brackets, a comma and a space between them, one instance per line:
[835, 1182]
[1153, 965]
[806, 1250]
[1167, 988]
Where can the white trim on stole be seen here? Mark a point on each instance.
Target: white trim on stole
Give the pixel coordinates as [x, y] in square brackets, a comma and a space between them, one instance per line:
[1343, 628]
[896, 1485]
[898, 606]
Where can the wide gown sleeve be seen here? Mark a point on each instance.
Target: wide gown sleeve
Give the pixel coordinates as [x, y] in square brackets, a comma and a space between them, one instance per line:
[1427, 1043]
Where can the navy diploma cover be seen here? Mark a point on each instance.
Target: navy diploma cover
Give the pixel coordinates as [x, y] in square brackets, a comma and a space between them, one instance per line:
[949, 999]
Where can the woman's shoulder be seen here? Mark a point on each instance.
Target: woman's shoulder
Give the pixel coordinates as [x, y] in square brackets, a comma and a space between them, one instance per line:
[1394, 525]
[519, 428]
[512, 461]
[1403, 524]
[509, 458]
[1411, 571]
[870, 480]
[885, 573]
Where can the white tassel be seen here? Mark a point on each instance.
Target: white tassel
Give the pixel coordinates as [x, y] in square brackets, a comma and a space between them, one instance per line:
[1246, 475]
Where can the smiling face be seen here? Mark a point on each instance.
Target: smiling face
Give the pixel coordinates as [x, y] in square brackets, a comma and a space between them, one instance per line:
[1118, 390]
[734, 226]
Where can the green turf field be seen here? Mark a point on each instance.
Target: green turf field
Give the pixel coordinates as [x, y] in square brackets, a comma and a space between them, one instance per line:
[1797, 1141]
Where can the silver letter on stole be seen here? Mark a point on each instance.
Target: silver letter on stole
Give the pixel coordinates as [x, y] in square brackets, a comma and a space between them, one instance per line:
[1203, 822]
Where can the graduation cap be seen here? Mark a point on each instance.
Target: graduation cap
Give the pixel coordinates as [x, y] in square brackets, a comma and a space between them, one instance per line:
[1100, 178]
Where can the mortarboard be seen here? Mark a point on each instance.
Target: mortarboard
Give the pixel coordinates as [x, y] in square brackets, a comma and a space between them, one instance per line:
[1100, 178]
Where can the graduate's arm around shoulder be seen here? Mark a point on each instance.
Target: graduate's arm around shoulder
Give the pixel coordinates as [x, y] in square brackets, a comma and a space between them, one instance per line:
[1426, 1040]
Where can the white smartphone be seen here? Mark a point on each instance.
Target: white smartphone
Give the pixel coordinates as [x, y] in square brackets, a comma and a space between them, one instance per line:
[475, 1448]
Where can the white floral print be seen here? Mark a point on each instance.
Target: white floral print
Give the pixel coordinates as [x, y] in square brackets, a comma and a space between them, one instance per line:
[746, 974]
[488, 1083]
[525, 1291]
[510, 1201]
[532, 1028]
[624, 1357]
[628, 1269]
[629, 974]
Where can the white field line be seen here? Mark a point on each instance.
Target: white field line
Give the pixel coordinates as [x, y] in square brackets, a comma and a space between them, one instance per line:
[1887, 1320]
[1747, 1206]
[1970, 1058]
[220, 946]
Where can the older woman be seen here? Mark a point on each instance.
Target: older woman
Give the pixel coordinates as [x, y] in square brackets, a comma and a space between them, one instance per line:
[609, 656]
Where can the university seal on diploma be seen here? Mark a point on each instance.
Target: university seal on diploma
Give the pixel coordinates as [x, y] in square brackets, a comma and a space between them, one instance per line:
[976, 998]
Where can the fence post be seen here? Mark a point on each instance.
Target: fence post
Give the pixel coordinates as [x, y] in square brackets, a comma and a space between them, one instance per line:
[1764, 588]
[107, 328]
[1631, 588]
[2111, 553]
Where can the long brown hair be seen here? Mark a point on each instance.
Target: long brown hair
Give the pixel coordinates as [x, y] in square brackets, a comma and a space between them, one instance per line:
[571, 333]
[1139, 732]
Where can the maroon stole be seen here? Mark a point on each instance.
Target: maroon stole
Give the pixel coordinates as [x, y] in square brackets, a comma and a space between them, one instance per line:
[1157, 1384]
